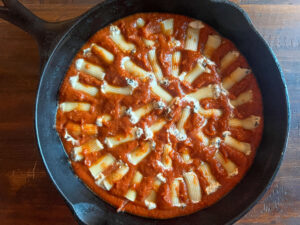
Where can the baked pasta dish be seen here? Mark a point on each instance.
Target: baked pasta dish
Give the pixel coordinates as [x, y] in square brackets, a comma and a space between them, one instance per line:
[160, 115]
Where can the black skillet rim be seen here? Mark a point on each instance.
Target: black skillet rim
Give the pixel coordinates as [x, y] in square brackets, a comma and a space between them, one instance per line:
[251, 26]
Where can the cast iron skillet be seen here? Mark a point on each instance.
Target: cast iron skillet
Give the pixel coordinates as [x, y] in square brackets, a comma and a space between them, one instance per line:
[58, 44]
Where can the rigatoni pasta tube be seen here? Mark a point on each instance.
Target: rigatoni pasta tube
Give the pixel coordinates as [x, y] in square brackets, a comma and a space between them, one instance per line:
[117, 140]
[203, 137]
[106, 88]
[119, 40]
[115, 176]
[89, 129]
[248, 123]
[243, 98]
[89, 68]
[148, 43]
[138, 154]
[236, 76]
[213, 183]
[227, 164]
[104, 54]
[195, 72]
[192, 35]
[137, 114]
[93, 145]
[154, 63]
[102, 119]
[186, 156]
[167, 26]
[158, 90]
[213, 42]
[229, 58]
[175, 186]
[131, 193]
[134, 69]
[74, 81]
[238, 145]
[176, 57]
[166, 159]
[183, 118]
[70, 106]
[205, 92]
[150, 200]
[101, 164]
[209, 112]
[193, 186]
[157, 125]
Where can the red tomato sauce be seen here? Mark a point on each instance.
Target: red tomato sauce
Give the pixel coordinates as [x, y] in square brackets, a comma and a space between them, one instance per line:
[120, 124]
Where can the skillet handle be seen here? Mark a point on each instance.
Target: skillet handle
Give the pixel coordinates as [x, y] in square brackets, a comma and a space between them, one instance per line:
[46, 33]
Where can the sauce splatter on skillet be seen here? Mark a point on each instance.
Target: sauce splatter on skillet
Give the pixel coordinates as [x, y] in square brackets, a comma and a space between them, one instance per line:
[160, 115]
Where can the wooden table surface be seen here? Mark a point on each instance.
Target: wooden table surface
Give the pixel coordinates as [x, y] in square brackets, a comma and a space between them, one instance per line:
[27, 195]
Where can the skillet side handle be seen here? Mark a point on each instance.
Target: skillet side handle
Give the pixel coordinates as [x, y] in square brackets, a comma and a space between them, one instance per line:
[46, 33]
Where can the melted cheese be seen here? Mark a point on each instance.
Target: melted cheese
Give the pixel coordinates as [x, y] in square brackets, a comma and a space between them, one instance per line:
[77, 154]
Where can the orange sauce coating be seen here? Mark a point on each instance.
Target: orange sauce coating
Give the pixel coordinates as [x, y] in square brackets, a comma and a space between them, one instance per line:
[120, 124]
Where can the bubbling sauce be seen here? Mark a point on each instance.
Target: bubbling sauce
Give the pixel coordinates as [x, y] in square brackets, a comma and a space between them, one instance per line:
[160, 115]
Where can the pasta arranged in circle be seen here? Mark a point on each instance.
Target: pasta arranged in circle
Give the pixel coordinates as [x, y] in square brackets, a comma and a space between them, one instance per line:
[160, 115]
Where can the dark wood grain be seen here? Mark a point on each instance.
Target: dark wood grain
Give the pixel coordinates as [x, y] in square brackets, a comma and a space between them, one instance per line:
[27, 195]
